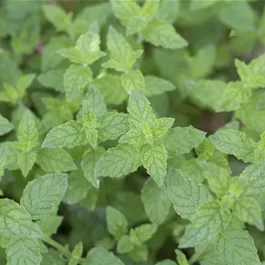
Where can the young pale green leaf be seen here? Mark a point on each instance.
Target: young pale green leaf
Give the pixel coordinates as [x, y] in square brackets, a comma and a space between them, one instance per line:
[76, 78]
[122, 56]
[234, 95]
[133, 80]
[142, 233]
[76, 254]
[9, 154]
[27, 133]
[69, 134]
[112, 126]
[5, 126]
[88, 164]
[181, 258]
[161, 33]
[55, 160]
[25, 161]
[23, 251]
[77, 188]
[117, 223]
[192, 169]
[111, 88]
[15, 221]
[206, 224]
[154, 159]
[58, 17]
[94, 102]
[217, 177]
[42, 195]
[168, 11]
[125, 245]
[248, 210]
[185, 194]
[233, 142]
[49, 224]
[100, 256]
[181, 140]
[118, 161]
[156, 203]
[133, 137]
[236, 247]
[157, 85]
[139, 253]
[161, 126]
[140, 110]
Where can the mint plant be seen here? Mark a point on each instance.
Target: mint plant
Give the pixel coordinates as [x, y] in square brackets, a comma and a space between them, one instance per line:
[132, 132]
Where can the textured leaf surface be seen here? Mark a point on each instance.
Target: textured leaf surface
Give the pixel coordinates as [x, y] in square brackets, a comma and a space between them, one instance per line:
[185, 194]
[42, 195]
[15, 221]
[55, 160]
[230, 141]
[26, 161]
[69, 134]
[181, 140]
[118, 161]
[154, 159]
[156, 203]
[236, 247]
[23, 252]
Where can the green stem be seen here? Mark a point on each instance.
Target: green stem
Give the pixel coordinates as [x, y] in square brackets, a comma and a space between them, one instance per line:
[58, 246]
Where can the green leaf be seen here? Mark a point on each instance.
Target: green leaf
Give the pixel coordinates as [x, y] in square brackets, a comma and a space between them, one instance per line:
[94, 102]
[9, 154]
[154, 159]
[142, 233]
[239, 16]
[234, 95]
[100, 256]
[111, 88]
[69, 134]
[192, 169]
[88, 164]
[133, 137]
[76, 78]
[167, 262]
[125, 245]
[42, 195]
[168, 11]
[76, 254]
[133, 80]
[118, 161]
[185, 194]
[236, 247]
[49, 224]
[161, 126]
[51, 160]
[5, 126]
[122, 56]
[77, 189]
[15, 221]
[112, 126]
[157, 85]
[248, 210]
[53, 79]
[181, 258]
[86, 51]
[27, 133]
[140, 110]
[181, 140]
[57, 17]
[233, 142]
[206, 224]
[139, 253]
[23, 83]
[26, 161]
[117, 223]
[217, 177]
[52, 257]
[23, 251]
[156, 203]
[160, 33]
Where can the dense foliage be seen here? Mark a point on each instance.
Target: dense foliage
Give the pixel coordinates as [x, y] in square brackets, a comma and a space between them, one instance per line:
[132, 132]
